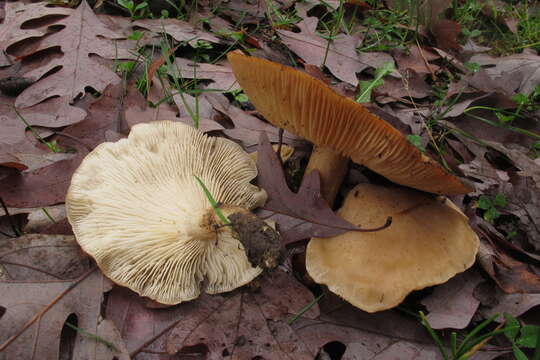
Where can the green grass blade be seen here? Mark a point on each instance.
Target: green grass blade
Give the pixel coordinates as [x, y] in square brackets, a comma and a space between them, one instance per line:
[108, 344]
[304, 309]
[432, 333]
[213, 202]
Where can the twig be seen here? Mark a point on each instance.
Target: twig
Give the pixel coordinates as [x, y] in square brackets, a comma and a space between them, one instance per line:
[44, 310]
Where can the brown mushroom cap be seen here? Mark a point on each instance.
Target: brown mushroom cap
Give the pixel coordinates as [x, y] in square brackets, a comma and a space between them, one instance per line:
[307, 107]
[136, 208]
[428, 242]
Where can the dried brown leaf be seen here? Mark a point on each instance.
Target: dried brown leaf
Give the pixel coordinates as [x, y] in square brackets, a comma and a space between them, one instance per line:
[41, 308]
[83, 35]
[247, 128]
[18, 14]
[221, 75]
[307, 214]
[342, 61]
[452, 304]
[178, 29]
[523, 68]
[241, 325]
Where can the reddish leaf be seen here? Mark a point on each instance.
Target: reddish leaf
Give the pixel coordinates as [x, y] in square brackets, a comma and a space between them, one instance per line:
[241, 324]
[41, 187]
[307, 213]
[446, 33]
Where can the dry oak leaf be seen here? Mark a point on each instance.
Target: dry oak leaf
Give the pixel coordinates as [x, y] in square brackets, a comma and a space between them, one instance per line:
[83, 35]
[298, 216]
[41, 187]
[221, 75]
[35, 313]
[247, 128]
[178, 29]
[38, 257]
[525, 67]
[342, 61]
[242, 324]
[18, 14]
[452, 304]
[417, 59]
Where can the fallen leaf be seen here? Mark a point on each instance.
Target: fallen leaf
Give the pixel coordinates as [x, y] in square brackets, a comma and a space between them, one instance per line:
[180, 30]
[446, 32]
[524, 68]
[511, 275]
[83, 35]
[497, 302]
[417, 59]
[307, 213]
[38, 257]
[54, 113]
[410, 85]
[40, 318]
[41, 187]
[18, 14]
[342, 60]
[239, 325]
[247, 128]
[452, 304]
[221, 75]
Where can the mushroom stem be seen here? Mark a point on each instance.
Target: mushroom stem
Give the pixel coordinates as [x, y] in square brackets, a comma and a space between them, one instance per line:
[332, 168]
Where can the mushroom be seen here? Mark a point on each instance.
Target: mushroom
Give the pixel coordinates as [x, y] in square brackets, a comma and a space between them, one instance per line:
[428, 242]
[137, 209]
[339, 128]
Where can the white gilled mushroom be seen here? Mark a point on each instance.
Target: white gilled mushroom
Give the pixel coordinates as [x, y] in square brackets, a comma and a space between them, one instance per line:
[137, 209]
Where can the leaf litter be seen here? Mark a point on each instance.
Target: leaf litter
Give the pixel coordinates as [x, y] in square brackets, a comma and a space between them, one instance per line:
[254, 320]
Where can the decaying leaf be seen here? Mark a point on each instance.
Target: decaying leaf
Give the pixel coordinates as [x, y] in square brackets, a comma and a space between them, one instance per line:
[38, 257]
[247, 128]
[452, 304]
[525, 68]
[306, 213]
[18, 14]
[178, 29]
[243, 324]
[83, 35]
[343, 60]
[221, 75]
[40, 319]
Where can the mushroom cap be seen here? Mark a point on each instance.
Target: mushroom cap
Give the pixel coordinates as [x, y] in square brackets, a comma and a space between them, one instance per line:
[428, 242]
[137, 209]
[308, 108]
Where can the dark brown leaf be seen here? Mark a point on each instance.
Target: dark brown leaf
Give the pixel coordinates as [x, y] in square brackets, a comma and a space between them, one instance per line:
[241, 324]
[307, 213]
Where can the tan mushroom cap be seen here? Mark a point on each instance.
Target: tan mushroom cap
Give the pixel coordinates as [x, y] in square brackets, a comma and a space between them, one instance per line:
[137, 209]
[428, 242]
[307, 107]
